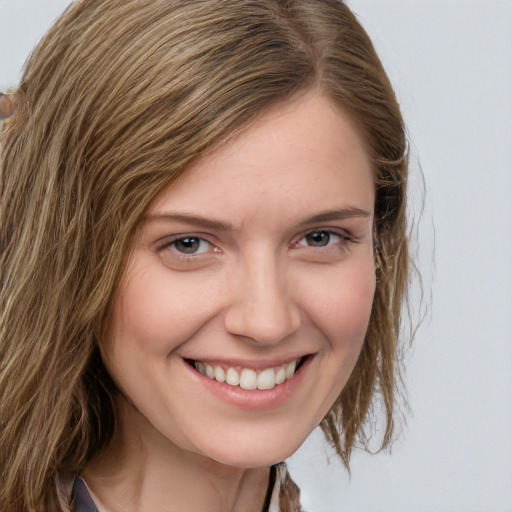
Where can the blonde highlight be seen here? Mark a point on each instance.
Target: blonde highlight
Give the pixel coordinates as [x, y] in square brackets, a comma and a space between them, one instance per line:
[118, 100]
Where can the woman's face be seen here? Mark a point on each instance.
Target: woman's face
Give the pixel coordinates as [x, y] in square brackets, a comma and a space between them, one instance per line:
[246, 300]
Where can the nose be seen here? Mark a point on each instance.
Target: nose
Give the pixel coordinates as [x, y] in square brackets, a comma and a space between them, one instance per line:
[262, 308]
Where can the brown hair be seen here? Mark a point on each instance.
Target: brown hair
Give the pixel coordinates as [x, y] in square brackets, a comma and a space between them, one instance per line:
[115, 103]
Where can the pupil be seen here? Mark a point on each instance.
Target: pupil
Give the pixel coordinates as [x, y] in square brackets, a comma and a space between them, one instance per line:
[187, 245]
[318, 239]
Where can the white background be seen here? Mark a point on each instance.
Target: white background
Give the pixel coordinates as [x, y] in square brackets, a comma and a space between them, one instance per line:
[451, 64]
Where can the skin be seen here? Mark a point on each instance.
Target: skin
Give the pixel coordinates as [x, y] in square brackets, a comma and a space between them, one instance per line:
[7, 107]
[267, 283]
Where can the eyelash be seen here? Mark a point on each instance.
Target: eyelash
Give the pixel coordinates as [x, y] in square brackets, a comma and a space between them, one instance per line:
[343, 244]
[171, 244]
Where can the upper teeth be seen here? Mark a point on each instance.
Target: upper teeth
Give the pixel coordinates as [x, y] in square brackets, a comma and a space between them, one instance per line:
[247, 378]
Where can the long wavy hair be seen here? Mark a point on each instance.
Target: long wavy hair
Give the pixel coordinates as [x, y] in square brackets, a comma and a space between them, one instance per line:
[118, 100]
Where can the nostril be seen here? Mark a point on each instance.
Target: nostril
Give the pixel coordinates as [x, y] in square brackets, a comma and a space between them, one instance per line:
[263, 324]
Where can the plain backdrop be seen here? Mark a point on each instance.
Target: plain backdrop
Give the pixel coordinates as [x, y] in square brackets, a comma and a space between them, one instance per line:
[451, 65]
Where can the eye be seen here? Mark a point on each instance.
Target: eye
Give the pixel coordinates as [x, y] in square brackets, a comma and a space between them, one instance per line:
[321, 238]
[187, 252]
[324, 245]
[190, 245]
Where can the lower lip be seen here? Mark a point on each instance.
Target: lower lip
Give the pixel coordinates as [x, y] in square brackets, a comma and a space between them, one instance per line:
[255, 400]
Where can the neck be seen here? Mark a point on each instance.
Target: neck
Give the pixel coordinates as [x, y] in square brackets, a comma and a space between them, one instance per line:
[144, 471]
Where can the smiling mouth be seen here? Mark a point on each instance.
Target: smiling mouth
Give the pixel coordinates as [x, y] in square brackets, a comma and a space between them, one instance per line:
[249, 378]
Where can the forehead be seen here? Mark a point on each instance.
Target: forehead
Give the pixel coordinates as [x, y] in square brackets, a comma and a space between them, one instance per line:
[296, 155]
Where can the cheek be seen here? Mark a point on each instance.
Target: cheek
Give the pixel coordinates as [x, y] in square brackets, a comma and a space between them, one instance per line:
[342, 304]
[138, 318]
[155, 313]
[341, 310]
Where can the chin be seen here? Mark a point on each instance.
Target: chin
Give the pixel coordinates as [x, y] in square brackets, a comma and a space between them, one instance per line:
[263, 452]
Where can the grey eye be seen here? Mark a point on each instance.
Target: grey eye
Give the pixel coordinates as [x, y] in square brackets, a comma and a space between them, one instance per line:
[189, 245]
[318, 238]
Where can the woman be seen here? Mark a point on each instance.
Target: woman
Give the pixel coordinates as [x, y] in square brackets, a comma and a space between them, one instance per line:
[203, 253]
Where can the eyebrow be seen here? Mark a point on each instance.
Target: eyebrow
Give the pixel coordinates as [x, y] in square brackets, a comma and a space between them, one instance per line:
[340, 214]
[199, 221]
[188, 218]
